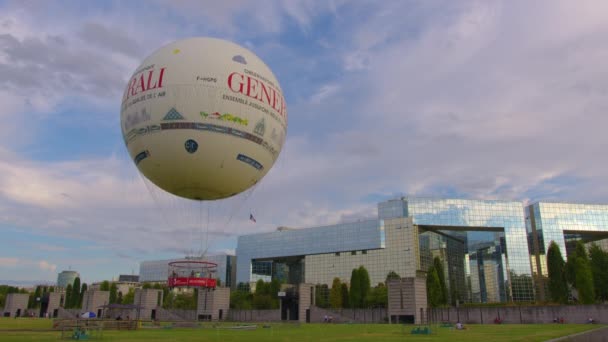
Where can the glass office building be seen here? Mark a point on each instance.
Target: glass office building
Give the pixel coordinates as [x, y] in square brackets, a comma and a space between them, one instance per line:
[564, 223]
[158, 270]
[66, 278]
[289, 254]
[482, 245]
[489, 260]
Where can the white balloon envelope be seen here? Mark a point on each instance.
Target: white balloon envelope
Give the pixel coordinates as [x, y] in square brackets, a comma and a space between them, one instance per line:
[203, 118]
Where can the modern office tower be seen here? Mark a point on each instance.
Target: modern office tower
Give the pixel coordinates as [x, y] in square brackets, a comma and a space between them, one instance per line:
[482, 246]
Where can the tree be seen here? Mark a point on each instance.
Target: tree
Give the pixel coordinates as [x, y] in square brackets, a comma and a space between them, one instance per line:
[261, 298]
[578, 273]
[365, 286]
[68, 297]
[433, 288]
[31, 301]
[599, 268]
[185, 301]
[275, 287]
[84, 289]
[75, 293]
[168, 300]
[441, 275]
[322, 295]
[4, 290]
[584, 278]
[558, 287]
[105, 286]
[261, 288]
[113, 293]
[354, 297]
[37, 294]
[344, 292]
[378, 296]
[265, 296]
[241, 298]
[262, 301]
[335, 294]
[166, 293]
[244, 287]
[392, 275]
[129, 298]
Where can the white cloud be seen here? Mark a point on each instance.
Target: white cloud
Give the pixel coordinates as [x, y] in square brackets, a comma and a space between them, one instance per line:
[46, 266]
[8, 262]
[324, 92]
[470, 105]
[69, 185]
[43, 265]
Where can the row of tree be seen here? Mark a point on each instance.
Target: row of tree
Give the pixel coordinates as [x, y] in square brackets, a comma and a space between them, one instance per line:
[584, 277]
[359, 295]
[264, 297]
[74, 293]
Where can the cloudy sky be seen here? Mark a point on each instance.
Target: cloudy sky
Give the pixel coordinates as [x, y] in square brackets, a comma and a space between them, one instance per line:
[472, 99]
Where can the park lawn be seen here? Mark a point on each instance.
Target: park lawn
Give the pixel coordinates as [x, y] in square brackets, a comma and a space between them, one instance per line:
[25, 324]
[306, 332]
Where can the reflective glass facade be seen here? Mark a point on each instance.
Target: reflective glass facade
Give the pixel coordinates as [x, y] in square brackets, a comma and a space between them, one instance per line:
[486, 247]
[66, 278]
[500, 224]
[398, 254]
[564, 223]
[253, 250]
[552, 220]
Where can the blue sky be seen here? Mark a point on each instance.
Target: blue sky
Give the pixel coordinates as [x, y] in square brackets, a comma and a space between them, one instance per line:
[474, 99]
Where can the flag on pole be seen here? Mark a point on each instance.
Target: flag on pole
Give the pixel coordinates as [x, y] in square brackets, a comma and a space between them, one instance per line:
[252, 218]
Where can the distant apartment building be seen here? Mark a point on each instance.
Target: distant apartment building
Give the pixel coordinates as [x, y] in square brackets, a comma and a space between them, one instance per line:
[130, 278]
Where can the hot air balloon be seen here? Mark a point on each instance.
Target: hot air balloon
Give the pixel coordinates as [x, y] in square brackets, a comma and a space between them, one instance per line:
[203, 118]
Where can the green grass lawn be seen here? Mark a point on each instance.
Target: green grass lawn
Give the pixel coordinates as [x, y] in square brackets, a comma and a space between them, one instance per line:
[34, 330]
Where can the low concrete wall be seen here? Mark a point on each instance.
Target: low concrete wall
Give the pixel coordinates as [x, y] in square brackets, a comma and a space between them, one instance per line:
[254, 315]
[521, 314]
[317, 315]
[173, 314]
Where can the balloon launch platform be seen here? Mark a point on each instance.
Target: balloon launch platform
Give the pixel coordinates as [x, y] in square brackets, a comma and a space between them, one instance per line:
[192, 273]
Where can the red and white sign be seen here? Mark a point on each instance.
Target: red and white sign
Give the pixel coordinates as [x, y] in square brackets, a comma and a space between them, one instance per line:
[194, 282]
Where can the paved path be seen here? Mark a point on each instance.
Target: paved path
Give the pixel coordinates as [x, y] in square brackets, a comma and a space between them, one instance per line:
[594, 335]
